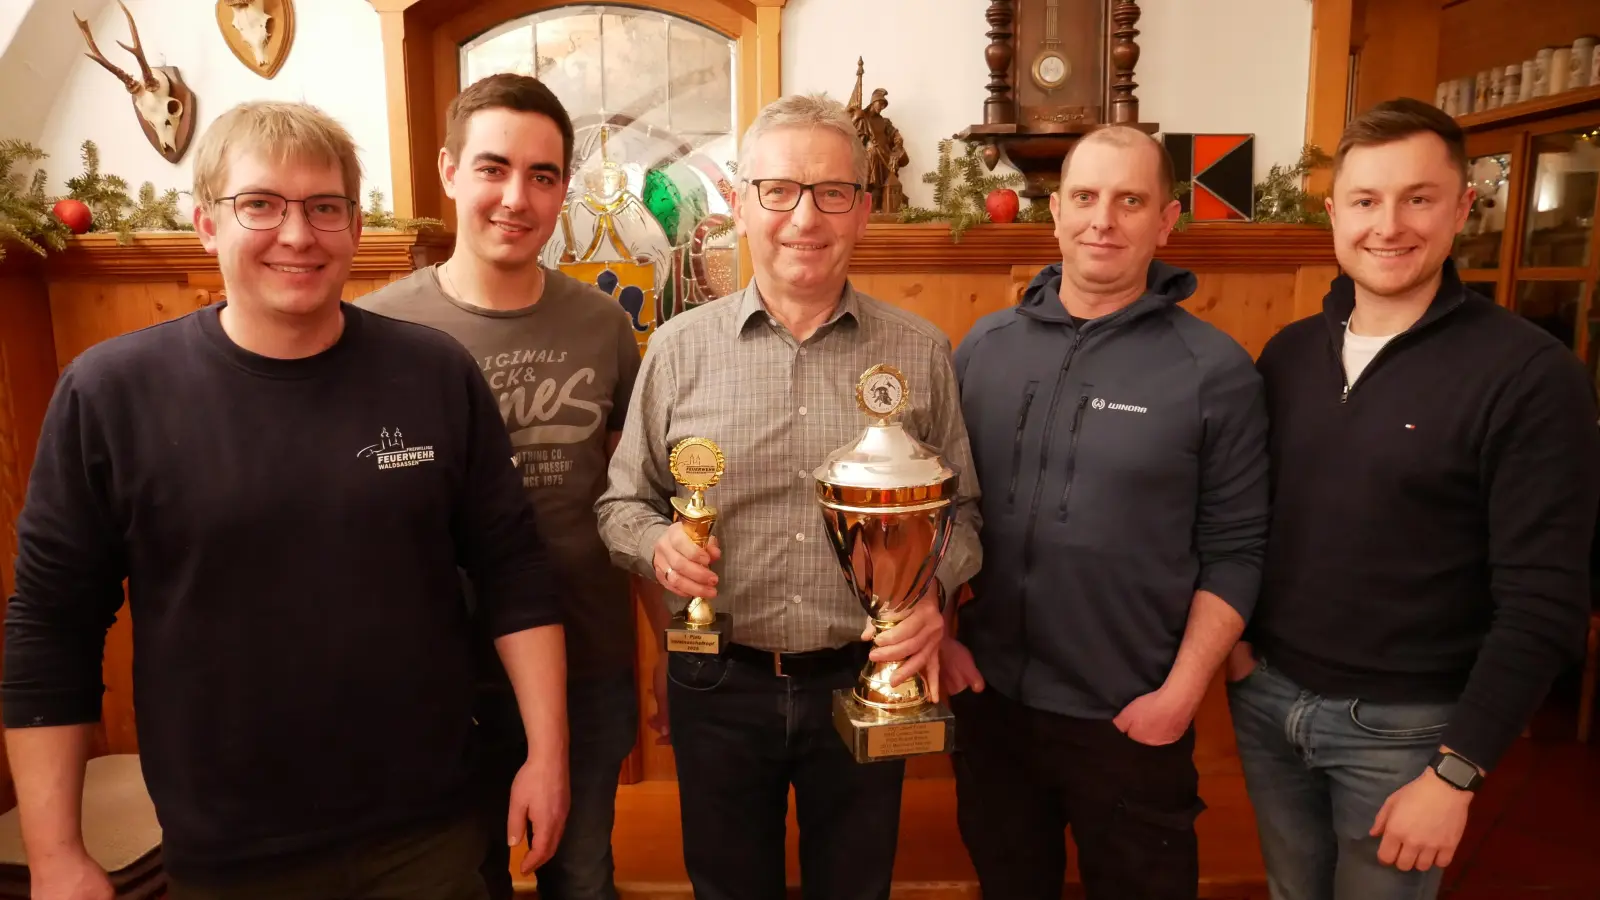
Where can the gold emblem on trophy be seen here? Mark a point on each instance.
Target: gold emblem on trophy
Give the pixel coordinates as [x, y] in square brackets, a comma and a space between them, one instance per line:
[888, 504]
[697, 464]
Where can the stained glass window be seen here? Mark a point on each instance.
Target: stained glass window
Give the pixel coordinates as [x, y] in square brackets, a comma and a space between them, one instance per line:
[652, 100]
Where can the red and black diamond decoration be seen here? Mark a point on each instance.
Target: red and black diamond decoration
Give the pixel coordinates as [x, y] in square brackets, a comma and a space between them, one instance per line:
[1221, 171]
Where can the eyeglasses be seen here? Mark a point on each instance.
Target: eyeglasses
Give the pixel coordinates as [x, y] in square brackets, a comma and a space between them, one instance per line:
[782, 195]
[264, 210]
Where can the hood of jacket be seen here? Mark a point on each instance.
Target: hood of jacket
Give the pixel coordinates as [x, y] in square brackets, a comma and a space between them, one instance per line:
[1164, 286]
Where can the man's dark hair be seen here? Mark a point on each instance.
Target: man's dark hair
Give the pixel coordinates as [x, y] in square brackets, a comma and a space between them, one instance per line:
[1125, 136]
[1396, 120]
[506, 90]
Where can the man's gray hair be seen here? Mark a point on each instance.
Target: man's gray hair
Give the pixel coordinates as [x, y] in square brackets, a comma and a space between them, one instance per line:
[804, 111]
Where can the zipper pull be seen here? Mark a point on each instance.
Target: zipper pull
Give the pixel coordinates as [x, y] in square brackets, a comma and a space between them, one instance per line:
[1077, 417]
[1345, 396]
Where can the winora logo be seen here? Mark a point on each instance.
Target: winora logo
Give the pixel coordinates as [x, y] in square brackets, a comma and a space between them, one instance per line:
[1100, 403]
[391, 451]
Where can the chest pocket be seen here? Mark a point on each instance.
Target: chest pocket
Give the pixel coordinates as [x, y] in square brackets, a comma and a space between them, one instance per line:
[1125, 450]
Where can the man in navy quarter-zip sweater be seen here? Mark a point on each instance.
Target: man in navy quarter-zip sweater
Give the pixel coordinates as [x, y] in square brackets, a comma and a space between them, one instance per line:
[1436, 474]
[1121, 443]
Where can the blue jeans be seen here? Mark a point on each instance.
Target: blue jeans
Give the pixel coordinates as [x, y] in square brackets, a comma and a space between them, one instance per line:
[603, 724]
[1318, 770]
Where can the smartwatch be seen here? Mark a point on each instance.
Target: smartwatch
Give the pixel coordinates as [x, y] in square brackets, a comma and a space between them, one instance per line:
[1456, 771]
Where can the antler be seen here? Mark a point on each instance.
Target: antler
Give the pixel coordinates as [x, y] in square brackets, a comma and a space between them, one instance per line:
[95, 54]
[138, 50]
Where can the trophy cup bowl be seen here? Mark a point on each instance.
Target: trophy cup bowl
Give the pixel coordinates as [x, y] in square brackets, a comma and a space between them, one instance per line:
[888, 504]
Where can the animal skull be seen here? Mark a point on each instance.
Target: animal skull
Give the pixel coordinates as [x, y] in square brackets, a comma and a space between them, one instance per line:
[253, 23]
[152, 93]
[161, 110]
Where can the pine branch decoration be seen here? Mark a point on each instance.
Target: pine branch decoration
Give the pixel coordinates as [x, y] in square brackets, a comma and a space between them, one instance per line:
[152, 213]
[25, 215]
[959, 190]
[105, 195]
[375, 216]
[1281, 198]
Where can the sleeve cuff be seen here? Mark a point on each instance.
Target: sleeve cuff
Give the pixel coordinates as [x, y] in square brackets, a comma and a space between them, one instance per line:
[645, 562]
[1237, 585]
[1479, 738]
[31, 709]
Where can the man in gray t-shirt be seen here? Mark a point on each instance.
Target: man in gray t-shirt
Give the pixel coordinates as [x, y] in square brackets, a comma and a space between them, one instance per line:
[560, 357]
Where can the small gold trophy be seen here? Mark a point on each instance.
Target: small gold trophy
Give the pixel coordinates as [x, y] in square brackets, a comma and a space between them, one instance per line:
[888, 504]
[697, 464]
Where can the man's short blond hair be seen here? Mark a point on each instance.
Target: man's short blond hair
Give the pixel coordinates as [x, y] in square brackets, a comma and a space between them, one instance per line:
[1128, 137]
[804, 111]
[280, 132]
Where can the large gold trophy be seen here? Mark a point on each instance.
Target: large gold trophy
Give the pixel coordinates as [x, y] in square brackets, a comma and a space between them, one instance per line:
[888, 502]
[697, 464]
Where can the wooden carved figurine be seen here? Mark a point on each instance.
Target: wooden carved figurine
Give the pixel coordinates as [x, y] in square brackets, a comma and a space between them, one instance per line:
[259, 32]
[886, 149]
[164, 104]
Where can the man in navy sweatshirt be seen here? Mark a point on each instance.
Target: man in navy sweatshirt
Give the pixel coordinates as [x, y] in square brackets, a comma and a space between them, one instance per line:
[288, 484]
[1121, 442]
[1436, 473]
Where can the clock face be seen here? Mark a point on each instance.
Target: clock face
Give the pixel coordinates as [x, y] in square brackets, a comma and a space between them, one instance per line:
[1050, 70]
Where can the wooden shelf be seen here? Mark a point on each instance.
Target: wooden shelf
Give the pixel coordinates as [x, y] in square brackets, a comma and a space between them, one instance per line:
[1539, 107]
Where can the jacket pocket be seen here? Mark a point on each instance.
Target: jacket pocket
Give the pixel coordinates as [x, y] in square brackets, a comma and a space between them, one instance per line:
[1075, 429]
[1016, 446]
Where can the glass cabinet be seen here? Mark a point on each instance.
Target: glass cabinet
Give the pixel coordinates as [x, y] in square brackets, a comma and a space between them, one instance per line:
[1530, 240]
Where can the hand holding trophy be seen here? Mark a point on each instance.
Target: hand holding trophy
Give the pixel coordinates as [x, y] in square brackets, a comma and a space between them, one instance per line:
[697, 464]
[888, 503]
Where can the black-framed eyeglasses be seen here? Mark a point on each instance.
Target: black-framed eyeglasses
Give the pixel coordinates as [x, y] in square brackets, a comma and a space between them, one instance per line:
[782, 195]
[264, 210]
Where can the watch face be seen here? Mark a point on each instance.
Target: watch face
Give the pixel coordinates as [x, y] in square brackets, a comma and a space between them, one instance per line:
[1456, 771]
[1050, 70]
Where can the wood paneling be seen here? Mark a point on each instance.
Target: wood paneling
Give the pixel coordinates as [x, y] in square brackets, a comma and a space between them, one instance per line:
[27, 375]
[1328, 83]
[1398, 42]
[1477, 34]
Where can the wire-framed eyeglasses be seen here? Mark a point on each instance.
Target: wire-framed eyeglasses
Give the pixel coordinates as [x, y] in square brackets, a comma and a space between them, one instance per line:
[782, 195]
[264, 210]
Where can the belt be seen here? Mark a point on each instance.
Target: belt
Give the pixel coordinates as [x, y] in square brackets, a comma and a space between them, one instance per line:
[828, 661]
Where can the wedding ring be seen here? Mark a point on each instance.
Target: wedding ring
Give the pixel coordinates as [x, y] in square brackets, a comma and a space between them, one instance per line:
[669, 573]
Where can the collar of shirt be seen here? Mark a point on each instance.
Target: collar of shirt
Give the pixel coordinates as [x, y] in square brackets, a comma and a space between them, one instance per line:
[751, 305]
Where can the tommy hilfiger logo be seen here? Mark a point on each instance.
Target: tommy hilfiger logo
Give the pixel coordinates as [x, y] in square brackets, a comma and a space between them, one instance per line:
[392, 453]
[1100, 403]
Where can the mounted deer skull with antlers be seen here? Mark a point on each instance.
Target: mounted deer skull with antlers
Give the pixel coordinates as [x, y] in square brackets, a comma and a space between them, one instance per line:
[251, 20]
[259, 32]
[164, 103]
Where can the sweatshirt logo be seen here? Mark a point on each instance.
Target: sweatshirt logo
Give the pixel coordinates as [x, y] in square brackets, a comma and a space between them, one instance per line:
[1100, 403]
[391, 451]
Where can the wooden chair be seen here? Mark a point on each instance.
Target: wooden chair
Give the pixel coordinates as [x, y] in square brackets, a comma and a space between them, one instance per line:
[1591, 671]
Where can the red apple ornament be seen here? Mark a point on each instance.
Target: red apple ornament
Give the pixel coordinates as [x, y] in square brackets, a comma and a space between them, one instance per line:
[1002, 205]
[75, 214]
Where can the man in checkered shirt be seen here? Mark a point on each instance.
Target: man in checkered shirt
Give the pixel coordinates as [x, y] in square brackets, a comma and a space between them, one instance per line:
[769, 374]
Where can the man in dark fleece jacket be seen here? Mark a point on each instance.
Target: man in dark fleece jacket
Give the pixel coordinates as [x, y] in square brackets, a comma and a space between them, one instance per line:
[1122, 445]
[1436, 473]
[288, 485]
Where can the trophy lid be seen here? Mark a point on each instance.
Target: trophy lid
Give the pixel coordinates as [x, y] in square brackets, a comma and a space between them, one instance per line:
[885, 456]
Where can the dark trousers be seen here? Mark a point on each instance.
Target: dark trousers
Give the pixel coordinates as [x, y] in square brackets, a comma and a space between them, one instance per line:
[602, 726]
[1024, 775]
[742, 735]
[434, 863]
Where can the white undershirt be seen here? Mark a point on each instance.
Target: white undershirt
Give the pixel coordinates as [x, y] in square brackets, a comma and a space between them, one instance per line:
[1359, 349]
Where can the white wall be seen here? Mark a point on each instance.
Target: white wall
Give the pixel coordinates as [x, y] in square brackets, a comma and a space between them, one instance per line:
[336, 63]
[1205, 66]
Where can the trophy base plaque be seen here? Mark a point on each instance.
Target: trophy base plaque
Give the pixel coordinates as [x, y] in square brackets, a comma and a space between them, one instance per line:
[876, 735]
[683, 637]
